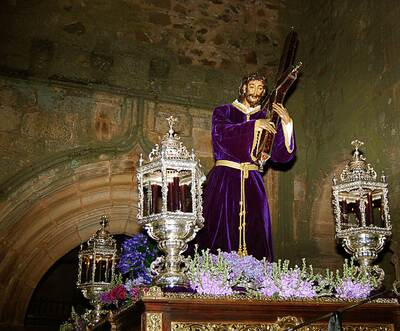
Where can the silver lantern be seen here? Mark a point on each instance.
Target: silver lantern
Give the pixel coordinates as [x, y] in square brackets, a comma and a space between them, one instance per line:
[97, 266]
[361, 209]
[170, 203]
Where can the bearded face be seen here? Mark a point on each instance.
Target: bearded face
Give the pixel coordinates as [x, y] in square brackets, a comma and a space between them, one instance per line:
[253, 92]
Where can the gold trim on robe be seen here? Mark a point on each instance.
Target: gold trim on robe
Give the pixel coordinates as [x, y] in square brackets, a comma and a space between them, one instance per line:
[245, 110]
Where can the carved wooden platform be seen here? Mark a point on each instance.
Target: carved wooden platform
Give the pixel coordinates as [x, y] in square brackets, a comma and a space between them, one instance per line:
[183, 312]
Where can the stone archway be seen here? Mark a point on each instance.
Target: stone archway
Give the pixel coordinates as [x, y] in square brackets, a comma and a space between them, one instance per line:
[41, 225]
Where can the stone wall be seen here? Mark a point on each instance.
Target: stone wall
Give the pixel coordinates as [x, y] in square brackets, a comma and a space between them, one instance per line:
[349, 89]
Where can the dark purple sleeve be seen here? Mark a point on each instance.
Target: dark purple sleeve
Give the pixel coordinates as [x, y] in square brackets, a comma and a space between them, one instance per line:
[231, 141]
[280, 153]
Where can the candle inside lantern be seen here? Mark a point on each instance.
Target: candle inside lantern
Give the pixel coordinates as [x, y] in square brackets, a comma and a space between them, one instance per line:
[352, 219]
[176, 198]
[106, 279]
[183, 197]
[85, 270]
[103, 271]
[369, 216]
[146, 202]
[170, 197]
[89, 270]
[357, 212]
[97, 270]
[378, 211]
[189, 206]
[155, 198]
[343, 210]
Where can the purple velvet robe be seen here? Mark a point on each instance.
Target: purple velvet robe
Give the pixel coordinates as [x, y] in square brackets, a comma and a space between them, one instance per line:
[232, 137]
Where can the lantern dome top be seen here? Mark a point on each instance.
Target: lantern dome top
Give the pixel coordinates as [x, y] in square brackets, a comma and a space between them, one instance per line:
[171, 146]
[102, 238]
[358, 168]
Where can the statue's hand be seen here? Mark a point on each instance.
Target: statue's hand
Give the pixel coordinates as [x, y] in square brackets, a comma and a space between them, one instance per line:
[282, 112]
[264, 124]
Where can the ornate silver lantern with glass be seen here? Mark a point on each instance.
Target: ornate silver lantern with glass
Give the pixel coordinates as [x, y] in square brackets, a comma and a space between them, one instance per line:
[96, 267]
[170, 204]
[361, 209]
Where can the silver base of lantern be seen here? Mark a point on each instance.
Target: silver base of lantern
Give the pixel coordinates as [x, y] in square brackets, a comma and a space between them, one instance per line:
[171, 279]
[92, 293]
[172, 234]
[364, 245]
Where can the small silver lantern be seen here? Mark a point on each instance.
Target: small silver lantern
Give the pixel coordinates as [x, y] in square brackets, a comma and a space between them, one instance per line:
[170, 203]
[361, 209]
[97, 266]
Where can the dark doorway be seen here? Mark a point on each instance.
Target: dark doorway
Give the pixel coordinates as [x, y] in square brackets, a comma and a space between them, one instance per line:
[56, 294]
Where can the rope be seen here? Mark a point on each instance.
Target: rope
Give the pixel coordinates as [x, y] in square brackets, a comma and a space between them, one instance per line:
[244, 174]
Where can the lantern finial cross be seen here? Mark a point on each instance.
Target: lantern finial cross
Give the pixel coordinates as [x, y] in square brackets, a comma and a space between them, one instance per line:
[171, 122]
[357, 144]
[103, 221]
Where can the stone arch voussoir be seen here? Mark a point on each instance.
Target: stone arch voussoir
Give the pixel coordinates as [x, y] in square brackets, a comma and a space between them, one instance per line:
[56, 220]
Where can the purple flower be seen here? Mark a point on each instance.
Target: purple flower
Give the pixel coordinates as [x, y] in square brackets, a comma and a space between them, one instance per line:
[288, 284]
[138, 253]
[133, 290]
[350, 289]
[269, 287]
[247, 266]
[205, 283]
[306, 289]
[107, 298]
[134, 294]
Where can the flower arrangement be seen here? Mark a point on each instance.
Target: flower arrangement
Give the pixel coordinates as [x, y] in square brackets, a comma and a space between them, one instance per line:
[138, 252]
[209, 274]
[244, 271]
[282, 281]
[225, 274]
[137, 255]
[122, 293]
[228, 273]
[352, 283]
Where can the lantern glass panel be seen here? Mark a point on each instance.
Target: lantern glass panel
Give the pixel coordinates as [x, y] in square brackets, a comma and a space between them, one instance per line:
[186, 198]
[108, 271]
[97, 272]
[83, 269]
[378, 210]
[179, 196]
[152, 194]
[146, 199]
[87, 269]
[354, 218]
[102, 269]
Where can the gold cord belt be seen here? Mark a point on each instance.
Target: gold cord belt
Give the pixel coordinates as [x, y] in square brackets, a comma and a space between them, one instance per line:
[244, 173]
